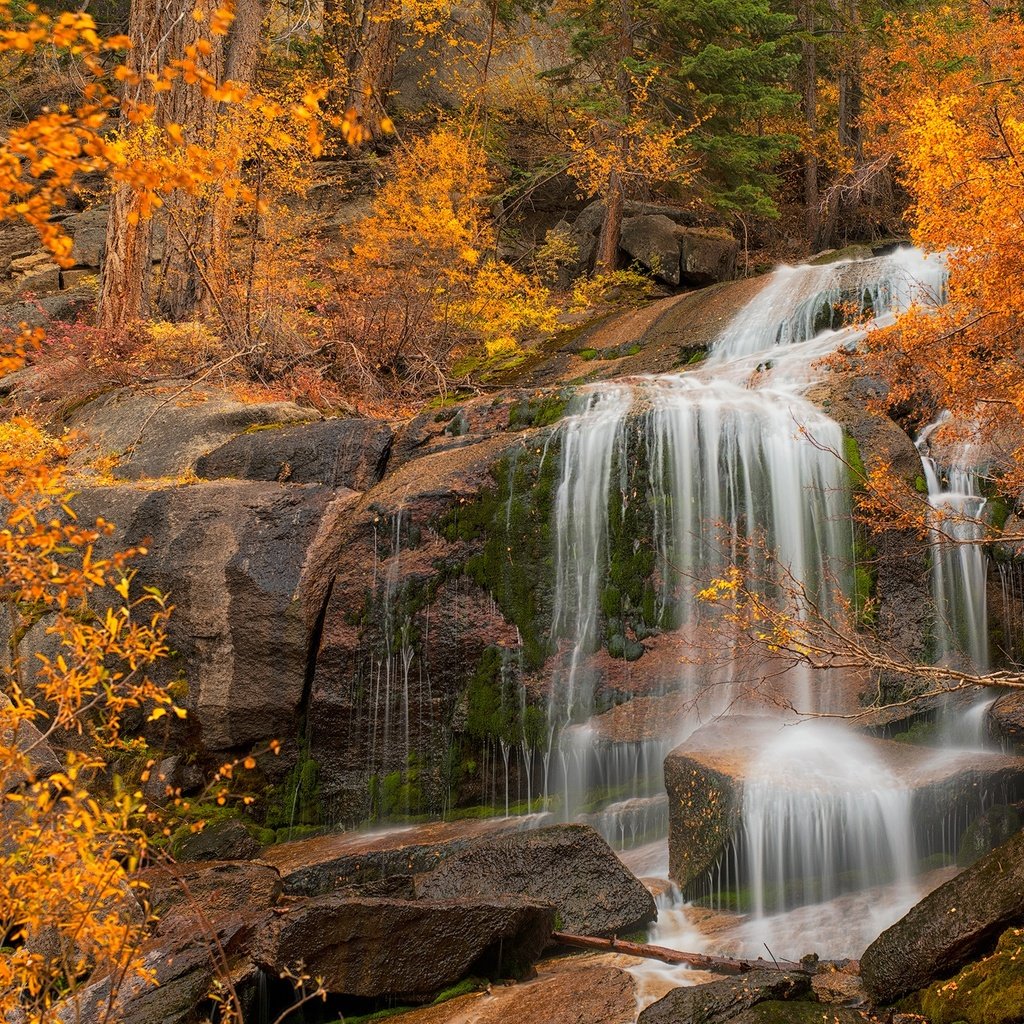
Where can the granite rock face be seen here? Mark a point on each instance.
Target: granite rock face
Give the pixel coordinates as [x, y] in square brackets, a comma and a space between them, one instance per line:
[570, 866]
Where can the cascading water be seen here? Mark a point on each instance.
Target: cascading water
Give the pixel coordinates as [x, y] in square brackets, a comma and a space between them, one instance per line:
[669, 480]
[959, 562]
[674, 478]
[821, 816]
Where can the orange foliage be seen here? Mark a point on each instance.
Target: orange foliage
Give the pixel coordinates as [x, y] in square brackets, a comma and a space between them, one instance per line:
[950, 106]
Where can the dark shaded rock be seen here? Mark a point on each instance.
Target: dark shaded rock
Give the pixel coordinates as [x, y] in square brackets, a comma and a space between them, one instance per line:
[387, 676]
[171, 775]
[723, 1001]
[1006, 720]
[310, 867]
[653, 241]
[376, 948]
[228, 839]
[773, 1012]
[338, 453]
[986, 832]
[707, 257]
[569, 866]
[164, 433]
[194, 895]
[247, 567]
[184, 966]
[958, 922]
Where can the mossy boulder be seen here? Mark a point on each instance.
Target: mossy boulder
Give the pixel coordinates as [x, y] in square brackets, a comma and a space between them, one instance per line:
[990, 991]
[950, 927]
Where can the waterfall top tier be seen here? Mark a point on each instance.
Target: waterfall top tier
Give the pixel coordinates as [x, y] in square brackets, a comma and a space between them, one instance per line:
[801, 303]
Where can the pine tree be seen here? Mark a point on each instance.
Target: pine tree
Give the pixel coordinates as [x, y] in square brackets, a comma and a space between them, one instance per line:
[730, 63]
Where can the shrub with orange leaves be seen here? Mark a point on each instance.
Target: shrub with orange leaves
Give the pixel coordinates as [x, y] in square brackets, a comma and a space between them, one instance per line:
[66, 902]
[424, 277]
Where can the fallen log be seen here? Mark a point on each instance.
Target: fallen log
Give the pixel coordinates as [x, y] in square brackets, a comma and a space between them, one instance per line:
[715, 964]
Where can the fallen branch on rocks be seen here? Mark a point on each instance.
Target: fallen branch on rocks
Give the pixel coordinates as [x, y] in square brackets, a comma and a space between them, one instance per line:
[716, 964]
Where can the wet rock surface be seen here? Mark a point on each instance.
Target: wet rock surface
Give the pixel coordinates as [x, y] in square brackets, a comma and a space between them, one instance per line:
[723, 1001]
[411, 950]
[309, 867]
[1006, 720]
[569, 866]
[572, 990]
[955, 924]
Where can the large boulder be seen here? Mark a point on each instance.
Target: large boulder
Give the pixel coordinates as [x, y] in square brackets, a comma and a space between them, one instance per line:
[247, 567]
[163, 432]
[958, 922]
[720, 1002]
[338, 453]
[404, 949]
[706, 257]
[569, 866]
[653, 242]
[184, 967]
[1006, 720]
[311, 867]
[194, 895]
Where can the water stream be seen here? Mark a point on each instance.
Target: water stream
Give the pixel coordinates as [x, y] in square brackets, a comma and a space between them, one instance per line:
[669, 480]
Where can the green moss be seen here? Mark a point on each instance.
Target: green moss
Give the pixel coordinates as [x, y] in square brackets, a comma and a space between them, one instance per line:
[509, 527]
[920, 484]
[854, 462]
[990, 991]
[296, 802]
[399, 794]
[542, 411]
[587, 354]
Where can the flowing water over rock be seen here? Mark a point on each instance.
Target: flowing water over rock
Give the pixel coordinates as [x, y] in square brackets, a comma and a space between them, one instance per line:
[666, 482]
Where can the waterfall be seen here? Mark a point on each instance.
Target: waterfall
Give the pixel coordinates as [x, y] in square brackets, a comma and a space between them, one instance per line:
[667, 481]
[821, 816]
[959, 562]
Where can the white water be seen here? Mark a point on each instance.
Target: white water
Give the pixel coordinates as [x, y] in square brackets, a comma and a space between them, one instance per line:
[959, 562]
[727, 462]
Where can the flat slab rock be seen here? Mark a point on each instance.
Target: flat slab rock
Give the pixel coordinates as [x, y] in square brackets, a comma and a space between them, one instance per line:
[309, 867]
[704, 777]
[570, 990]
[570, 866]
[404, 949]
[958, 922]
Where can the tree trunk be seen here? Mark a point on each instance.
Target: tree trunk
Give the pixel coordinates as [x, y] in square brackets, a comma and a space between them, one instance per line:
[128, 258]
[362, 49]
[607, 258]
[188, 264]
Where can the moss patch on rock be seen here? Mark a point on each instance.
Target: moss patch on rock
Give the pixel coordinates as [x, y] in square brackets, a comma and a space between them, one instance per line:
[990, 991]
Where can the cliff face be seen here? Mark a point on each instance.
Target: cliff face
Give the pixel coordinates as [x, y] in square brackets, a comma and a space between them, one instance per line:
[378, 596]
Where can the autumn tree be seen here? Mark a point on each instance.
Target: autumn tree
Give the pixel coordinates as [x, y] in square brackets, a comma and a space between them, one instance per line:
[949, 108]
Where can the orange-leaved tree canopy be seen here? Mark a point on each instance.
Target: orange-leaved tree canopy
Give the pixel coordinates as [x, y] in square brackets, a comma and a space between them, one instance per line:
[949, 104]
